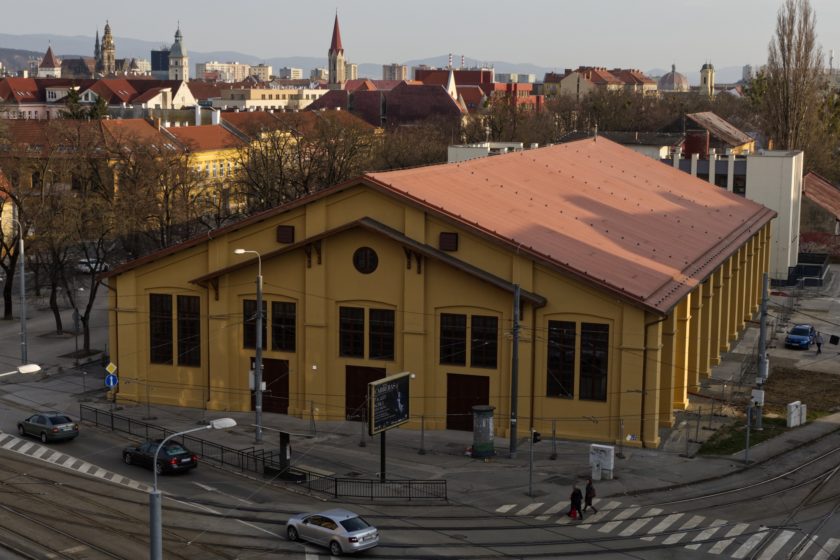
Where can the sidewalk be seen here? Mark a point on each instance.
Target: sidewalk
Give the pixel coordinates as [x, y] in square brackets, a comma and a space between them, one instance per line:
[336, 447]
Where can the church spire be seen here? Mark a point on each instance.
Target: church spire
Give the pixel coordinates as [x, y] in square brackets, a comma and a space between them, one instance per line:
[96, 46]
[335, 45]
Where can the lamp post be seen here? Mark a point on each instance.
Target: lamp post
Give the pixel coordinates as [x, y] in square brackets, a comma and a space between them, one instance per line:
[259, 343]
[155, 522]
[25, 368]
[21, 259]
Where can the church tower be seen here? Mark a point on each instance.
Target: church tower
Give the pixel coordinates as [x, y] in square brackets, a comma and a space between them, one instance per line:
[179, 62]
[96, 47]
[337, 69]
[106, 64]
[707, 79]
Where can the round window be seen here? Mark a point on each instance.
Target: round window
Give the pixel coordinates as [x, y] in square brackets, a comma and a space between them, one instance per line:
[365, 260]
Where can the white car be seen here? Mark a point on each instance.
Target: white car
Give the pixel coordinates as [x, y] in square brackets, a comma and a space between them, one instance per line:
[340, 530]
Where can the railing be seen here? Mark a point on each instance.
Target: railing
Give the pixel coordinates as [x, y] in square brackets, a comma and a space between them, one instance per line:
[266, 462]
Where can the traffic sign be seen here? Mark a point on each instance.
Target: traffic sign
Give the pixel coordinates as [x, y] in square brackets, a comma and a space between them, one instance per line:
[111, 368]
[111, 380]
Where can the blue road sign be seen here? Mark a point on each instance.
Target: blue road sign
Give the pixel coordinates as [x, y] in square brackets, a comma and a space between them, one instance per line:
[111, 380]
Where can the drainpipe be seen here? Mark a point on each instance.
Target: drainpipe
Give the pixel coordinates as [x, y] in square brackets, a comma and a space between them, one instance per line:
[644, 376]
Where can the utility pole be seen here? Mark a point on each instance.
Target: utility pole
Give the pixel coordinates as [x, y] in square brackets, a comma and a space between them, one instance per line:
[763, 362]
[514, 372]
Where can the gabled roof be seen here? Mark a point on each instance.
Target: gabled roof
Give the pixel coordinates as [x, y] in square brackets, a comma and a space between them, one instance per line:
[114, 91]
[719, 128]
[473, 97]
[631, 76]
[202, 91]
[49, 60]
[19, 90]
[204, 138]
[821, 192]
[120, 133]
[596, 210]
[596, 75]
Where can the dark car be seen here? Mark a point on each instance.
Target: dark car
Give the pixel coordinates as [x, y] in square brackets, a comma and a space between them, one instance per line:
[340, 530]
[801, 336]
[173, 456]
[49, 426]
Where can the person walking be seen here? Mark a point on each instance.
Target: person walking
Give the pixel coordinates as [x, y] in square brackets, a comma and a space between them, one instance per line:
[576, 498]
[589, 494]
[819, 341]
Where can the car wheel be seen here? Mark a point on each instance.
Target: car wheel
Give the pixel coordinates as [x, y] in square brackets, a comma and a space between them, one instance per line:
[335, 548]
[292, 533]
[43, 437]
[21, 431]
[127, 458]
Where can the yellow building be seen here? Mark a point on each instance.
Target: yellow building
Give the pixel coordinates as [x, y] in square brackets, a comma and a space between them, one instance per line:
[634, 277]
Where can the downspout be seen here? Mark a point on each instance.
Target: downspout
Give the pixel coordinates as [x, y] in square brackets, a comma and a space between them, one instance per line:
[644, 376]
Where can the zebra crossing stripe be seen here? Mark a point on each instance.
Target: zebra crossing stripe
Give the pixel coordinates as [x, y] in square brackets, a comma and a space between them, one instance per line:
[827, 550]
[733, 532]
[603, 511]
[40, 451]
[751, 543]
[706, 534]
[617, 520]
[505, 508]
[552, 510]
[11, 443]
[811, 540]
[634, 527]
[25, 447]
[529, 508]
[690, 524]
[776, 545]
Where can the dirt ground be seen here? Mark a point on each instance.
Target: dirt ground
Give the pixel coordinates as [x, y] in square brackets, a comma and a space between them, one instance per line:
[819, 391]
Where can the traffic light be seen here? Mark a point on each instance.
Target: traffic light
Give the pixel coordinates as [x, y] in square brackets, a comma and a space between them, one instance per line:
[536, 437]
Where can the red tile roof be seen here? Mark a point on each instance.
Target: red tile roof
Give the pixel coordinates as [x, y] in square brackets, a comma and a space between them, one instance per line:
[596, 210]
[49, 60]
[124, 132]
[720, 128]
[205, 137]
[820, 191]
[631, 76]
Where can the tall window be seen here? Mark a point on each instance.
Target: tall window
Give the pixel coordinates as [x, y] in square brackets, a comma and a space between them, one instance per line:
[594, 351]
[484, 342]
[160, 328]
[249, 323]
[283, 330]
[561, 359]
[189, 331]
[351, 332]
[381, 334]
[453, 339]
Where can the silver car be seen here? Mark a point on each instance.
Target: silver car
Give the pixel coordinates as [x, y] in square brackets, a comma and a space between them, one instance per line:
[340, 530]
[49, 426]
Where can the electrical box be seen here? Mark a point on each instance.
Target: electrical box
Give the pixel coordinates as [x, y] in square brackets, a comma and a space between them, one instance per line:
[602, 461]
[794, 414]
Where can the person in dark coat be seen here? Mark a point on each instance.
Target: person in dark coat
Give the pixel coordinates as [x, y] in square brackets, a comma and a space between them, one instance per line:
[589, 493]
[576, 498]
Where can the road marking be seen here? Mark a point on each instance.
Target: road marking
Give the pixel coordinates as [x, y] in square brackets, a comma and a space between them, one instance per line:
[811, 540]
[602, 512]
[40, 451]
[552, 510]
[505, 508]
[252, 526]
[664, 524]
[217, 491]
[25, 447]
[707, 534]
[751, 543]
[196, 506]
[205, 487]
[618, 519]
[74, 549]
[529, 508]
[827, 550]
[641, 522]
[776, 545]
[311, 553]
[733, 532]
[690, 524]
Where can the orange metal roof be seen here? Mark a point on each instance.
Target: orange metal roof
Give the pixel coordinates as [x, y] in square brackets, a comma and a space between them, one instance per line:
[822, 192]
[599, 211]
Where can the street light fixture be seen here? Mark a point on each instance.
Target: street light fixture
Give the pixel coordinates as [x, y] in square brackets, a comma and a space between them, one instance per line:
[22, 283]
[155, 521]
[25, 368]
[259, 341]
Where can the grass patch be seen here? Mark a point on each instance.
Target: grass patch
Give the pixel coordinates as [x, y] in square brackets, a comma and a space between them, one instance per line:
[731, 439]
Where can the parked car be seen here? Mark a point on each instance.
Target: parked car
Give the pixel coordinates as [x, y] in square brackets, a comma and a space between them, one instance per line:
[88, 266]
[173, 456]
[340, 530]
[801, 336]
[49, 426]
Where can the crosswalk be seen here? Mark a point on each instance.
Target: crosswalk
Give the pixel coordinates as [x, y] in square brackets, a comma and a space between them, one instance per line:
[710, 535]
[51, 455]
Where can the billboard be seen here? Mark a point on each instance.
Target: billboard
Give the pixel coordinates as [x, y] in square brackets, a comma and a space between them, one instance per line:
[388, 402]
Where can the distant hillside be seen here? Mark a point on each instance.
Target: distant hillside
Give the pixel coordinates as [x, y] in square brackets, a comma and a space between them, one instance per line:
[14, 59]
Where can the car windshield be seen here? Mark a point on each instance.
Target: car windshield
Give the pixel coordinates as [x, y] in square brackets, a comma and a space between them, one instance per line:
[801, 331]
[354, 524]
[55, 420]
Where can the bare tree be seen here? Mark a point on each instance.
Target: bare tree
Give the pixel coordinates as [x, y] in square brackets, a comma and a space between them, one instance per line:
[794, 79]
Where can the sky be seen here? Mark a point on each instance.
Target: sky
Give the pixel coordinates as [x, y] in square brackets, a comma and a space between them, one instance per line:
[551, 33]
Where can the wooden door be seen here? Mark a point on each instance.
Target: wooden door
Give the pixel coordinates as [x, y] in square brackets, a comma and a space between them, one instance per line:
[275, 397]
[462, 393]
[355, 390]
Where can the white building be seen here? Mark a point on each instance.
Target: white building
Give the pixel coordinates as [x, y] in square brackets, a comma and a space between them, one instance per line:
[287, 73]
[267, 99]
[227, 71]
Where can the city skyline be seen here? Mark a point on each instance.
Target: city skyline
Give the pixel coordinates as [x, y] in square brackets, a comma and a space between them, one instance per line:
[641, 34]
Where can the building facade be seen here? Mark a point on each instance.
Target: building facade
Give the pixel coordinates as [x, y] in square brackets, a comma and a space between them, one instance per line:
[620, 314]
[394, 72]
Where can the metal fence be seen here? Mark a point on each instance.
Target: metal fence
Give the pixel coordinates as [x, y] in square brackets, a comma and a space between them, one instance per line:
[267, 462]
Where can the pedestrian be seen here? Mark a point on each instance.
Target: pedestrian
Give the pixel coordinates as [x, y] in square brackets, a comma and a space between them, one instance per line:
[589, 493]
[576, 499]
[819, 341]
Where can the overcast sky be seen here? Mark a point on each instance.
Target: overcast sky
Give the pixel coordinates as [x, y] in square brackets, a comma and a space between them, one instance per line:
[553, 33]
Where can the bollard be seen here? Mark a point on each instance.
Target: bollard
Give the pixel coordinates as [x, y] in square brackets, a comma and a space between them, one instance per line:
[422, 450]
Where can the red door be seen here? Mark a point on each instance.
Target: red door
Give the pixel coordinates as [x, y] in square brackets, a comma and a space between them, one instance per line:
[462, 393]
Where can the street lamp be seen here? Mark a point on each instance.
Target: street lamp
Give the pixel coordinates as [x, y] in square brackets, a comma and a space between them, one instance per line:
[155, 522]
[25, 368]
[22, 283]
[258, 358]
